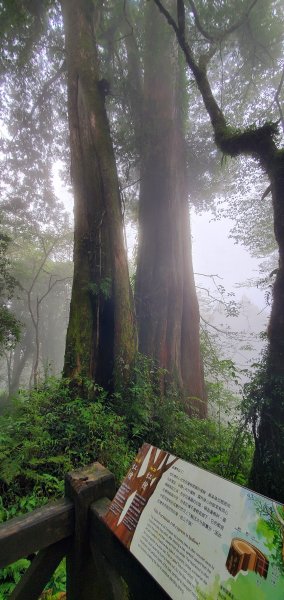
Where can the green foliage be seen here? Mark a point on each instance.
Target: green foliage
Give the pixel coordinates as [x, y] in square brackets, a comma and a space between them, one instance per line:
[259, 393]
[221, 375]
[223, 448]
[269, 528]
[57, 585]
[149, 414]
[51, 431]
[10, 576]
[103, 288]
[9, 326]
[20, 28]
[263, 408]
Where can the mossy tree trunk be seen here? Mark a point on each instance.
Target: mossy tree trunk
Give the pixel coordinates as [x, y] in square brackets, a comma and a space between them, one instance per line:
[166, 302]
[101, 339]
[268, 464]
[258, 142]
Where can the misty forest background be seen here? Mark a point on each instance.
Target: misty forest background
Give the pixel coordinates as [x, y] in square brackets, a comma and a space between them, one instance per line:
[147, 112]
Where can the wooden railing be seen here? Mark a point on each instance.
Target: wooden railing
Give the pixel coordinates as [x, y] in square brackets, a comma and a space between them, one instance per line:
[96, 562]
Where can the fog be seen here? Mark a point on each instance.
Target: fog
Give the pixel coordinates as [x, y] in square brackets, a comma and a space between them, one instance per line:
[215, 252]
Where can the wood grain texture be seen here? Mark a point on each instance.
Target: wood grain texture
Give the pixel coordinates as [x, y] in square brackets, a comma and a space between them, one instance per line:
[37, 530]
[40, 571]
[83, 488]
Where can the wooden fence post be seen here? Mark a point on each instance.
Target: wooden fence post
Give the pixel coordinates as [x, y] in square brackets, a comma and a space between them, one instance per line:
[84, 487]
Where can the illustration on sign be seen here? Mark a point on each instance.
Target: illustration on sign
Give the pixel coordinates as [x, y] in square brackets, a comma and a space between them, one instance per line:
[245, 557]
[201, 537]
[137, 488]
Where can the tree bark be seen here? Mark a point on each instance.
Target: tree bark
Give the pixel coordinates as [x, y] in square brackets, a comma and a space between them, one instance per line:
[258, 142]
[21, 354]
[101, 339]
[166, 301]
[268, 463]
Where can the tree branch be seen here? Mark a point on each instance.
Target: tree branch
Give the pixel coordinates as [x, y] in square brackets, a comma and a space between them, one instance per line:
[45, 89]
[199, 71]
[223, 331]
[51, 286]
[266, 193]
[181, 16]
[41, 265]
[130, 184]
[254, 141]
[219, 36]
[198, 23]
[277, 101]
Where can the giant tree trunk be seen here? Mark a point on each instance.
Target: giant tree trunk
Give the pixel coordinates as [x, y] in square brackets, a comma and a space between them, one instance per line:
[166, 302]
[258, 142]
[101, 339]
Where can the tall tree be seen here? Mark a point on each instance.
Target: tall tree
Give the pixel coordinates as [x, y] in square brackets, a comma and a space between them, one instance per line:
[101, 339]
[10, 326]
[32, 136]
[166, 301]
[260, 142]
[41, 265]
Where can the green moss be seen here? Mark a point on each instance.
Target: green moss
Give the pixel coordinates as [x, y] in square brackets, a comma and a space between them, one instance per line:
[227, 132]
[256, 140]
[69, 360]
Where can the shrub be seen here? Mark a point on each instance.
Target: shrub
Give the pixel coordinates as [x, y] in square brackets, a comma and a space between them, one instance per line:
[51, 431]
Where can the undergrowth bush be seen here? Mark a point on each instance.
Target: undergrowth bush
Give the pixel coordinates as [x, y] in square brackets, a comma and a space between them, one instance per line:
[10, 576]
[226, 450]
[221, 446]
[49, 432]
[52, 430]
[149, 416]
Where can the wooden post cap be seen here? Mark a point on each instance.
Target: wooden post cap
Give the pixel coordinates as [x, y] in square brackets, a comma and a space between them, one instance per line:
[94, 481]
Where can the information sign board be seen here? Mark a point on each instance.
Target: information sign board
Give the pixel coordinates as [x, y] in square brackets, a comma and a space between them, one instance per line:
[200, 536]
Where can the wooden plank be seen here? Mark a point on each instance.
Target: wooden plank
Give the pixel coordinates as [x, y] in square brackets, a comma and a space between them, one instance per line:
[44, 526]
[84, 487]
[40, 571]
[141, 584]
